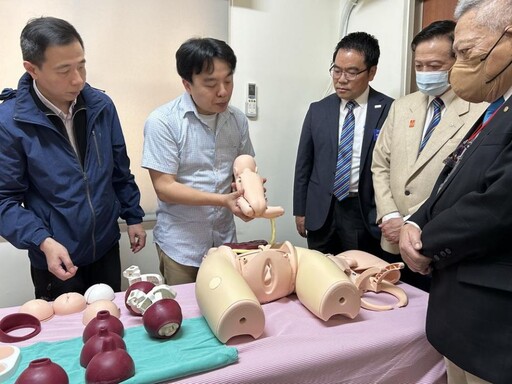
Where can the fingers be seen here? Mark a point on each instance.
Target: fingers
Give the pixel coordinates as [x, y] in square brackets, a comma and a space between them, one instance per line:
[137, 237]
[238, 213]
[301, 229]
[300, 224]
[138, 242]
[63, 270]
[410, 245]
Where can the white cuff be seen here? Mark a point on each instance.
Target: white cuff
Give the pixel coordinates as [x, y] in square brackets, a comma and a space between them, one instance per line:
[413, 223]
[392, 215]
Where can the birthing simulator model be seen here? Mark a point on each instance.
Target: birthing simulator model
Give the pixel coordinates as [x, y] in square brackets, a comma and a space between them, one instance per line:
[232, 283]
[231, 287]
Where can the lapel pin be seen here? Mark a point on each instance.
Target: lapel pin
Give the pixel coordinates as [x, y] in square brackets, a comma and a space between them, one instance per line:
[505, 109]
[378, 106]
[411, 123]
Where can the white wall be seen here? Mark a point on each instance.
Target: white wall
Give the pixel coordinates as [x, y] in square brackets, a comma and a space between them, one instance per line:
[285, 47]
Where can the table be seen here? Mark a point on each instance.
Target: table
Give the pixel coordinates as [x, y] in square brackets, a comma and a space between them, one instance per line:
[297, 347]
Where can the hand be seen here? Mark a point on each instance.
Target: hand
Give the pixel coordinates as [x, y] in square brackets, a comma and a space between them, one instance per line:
[57, 258]
[137, 236]
[410, 245]
[391, 229]
[231, 202]
[300, 224]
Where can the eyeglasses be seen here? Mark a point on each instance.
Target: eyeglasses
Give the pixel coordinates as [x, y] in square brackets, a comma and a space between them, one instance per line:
[336, 73]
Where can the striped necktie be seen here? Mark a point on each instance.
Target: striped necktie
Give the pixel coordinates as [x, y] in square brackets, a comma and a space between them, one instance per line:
[344, 162]
[438, 105]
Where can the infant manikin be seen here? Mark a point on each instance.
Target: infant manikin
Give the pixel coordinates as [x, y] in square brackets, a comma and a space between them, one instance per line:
[253, 202]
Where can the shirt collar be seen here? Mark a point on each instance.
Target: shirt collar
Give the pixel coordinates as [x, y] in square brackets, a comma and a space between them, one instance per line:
[190, 107]
[508, 94]
[51, 106]
[447, 97]
[361, 100]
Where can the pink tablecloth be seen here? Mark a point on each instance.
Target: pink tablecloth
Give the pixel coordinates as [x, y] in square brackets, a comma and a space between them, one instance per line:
[297, 347]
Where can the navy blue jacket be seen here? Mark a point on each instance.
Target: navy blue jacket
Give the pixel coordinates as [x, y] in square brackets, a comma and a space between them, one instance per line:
[45, 191]
[317, 155]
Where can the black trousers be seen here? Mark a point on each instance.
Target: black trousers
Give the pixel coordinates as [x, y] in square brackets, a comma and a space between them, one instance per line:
[344, 230]
[106, 270]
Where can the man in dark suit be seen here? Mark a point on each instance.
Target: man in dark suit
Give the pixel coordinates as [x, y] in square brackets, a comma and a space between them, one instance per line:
[462, 233]
[333, 200]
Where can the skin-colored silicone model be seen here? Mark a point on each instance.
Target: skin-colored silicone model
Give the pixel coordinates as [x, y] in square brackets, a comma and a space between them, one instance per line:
[100, 305]
[253, 202]
[68, 303]
[9, 360]
[41, 309]
[372, 274]
[360, 261]
[228, 304]
[269, 271]
[231, 287]
[334, 293]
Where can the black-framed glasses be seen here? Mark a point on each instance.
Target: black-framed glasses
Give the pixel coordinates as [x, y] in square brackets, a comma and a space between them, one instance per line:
[336, 73]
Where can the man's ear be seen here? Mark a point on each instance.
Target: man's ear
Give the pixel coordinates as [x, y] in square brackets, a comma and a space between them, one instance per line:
[371, 72]
[508, 30]
[187, 85]
[30, 68]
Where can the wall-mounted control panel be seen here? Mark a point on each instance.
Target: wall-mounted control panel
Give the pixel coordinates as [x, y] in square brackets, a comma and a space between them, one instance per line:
[251, 103]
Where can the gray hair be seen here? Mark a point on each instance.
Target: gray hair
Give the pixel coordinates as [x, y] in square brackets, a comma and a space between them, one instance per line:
[493, 14]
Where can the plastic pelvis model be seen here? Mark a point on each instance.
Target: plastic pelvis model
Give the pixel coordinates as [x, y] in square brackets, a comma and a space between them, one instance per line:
[372, 274]
[231, 287]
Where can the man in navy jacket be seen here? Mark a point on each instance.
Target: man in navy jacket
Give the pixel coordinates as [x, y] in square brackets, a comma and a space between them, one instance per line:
[334, 224]
[65, 177]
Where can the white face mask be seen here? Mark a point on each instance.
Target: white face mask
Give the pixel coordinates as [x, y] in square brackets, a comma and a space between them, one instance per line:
[433, 83]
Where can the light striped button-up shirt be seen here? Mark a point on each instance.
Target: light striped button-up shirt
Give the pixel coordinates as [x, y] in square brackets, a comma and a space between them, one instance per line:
[178, 142]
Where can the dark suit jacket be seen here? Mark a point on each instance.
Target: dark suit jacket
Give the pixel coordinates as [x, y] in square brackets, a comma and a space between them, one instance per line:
[467, 231]
[317, 155]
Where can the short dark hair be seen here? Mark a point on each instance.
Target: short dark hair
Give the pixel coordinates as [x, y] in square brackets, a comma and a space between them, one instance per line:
[43, 32]
[197, 54]
[437, 29]
[361, 42]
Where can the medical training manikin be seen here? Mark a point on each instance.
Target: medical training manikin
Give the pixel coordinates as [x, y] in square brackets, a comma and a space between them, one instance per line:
[232, 283]
[231, 287]
[252, 202]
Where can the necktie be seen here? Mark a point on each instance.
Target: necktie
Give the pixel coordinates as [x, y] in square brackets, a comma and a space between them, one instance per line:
[438, 107]
[492, 108]
[344, 163]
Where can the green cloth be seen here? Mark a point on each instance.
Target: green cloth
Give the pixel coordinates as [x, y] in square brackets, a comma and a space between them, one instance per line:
[192, 350]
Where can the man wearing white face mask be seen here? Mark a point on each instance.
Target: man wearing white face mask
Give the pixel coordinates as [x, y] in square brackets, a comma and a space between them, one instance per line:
[421, 130]
[461, 235]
